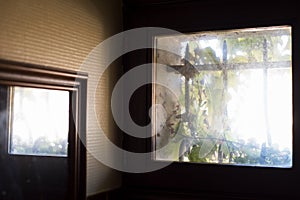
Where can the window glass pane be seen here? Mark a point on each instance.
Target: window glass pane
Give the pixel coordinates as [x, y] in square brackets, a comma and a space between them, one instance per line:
[226, 99]
[39, 121]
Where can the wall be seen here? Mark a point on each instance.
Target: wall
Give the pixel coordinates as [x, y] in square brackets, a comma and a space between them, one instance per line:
[61, 33]
[192, 179]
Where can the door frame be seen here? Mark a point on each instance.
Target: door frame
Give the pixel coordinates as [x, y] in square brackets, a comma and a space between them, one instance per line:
[23, 74]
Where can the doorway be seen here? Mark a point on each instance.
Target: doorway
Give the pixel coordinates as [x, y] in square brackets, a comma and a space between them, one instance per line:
[42, 133]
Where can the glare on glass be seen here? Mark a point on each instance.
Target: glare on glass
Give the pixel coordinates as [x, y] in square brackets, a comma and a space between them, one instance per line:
[227, 97]
[39, 122]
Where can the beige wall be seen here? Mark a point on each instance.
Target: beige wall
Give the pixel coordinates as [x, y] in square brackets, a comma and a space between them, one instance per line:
[61, 33]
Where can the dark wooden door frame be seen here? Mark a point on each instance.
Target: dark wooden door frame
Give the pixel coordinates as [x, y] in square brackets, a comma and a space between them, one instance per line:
[23, 74]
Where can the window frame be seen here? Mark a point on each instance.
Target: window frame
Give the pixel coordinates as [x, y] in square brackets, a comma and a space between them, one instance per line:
[219, 181]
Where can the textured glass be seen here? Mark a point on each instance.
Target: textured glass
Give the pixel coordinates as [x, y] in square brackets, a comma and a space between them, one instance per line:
[39, 122]
[227, 97]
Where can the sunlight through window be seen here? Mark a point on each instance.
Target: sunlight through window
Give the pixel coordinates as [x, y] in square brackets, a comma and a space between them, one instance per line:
[39, 121]
[228, 99]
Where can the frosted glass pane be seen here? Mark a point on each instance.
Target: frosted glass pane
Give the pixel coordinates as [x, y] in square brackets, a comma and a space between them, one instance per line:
[226, 99]
[39, 121]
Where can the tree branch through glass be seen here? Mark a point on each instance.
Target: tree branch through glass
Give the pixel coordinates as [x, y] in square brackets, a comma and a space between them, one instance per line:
[234, 97]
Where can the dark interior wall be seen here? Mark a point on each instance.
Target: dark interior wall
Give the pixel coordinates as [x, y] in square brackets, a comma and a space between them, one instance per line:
[186, 179]
[192, 15]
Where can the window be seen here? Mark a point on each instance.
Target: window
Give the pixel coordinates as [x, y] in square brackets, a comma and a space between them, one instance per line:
[39, 121]
[225, 97]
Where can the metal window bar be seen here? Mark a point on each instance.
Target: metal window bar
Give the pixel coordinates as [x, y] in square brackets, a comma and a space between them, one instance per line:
[189, 70]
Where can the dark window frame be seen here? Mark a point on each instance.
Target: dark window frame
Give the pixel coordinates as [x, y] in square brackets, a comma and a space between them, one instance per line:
[207, 180]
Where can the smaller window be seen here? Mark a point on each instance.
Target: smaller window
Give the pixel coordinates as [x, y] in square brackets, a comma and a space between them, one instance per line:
[39, 121]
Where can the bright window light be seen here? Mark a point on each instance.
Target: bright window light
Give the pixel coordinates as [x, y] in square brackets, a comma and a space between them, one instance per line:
[39, 122]
[226, 97]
